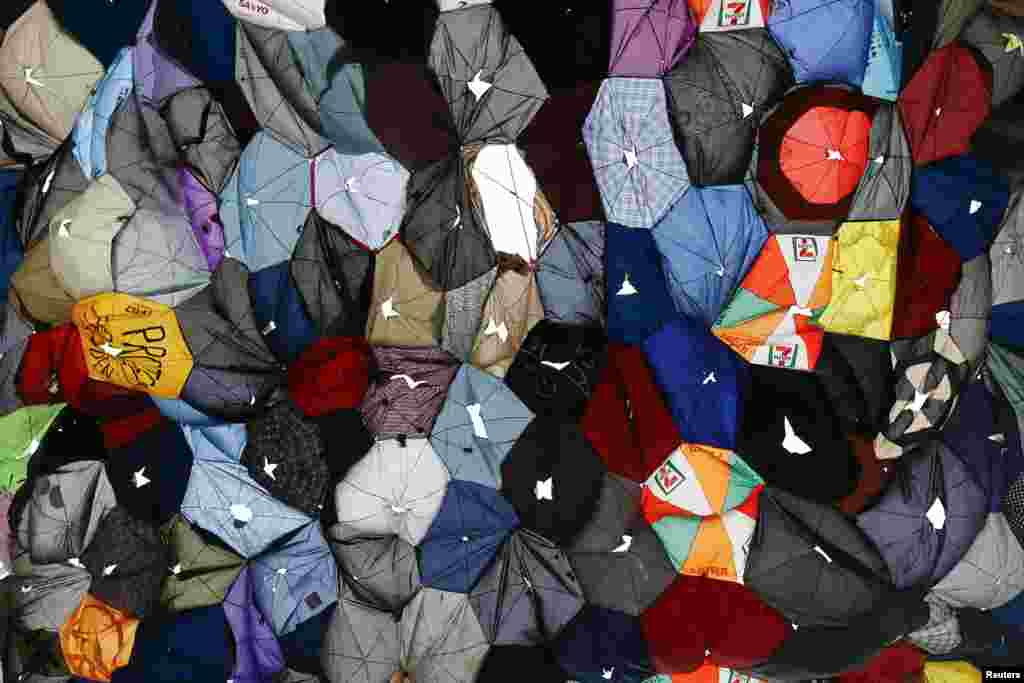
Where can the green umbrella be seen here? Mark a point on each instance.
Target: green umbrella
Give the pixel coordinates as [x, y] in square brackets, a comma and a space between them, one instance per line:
[20, 435]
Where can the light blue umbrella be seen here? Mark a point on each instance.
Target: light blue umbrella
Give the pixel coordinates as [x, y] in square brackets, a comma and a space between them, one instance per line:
[885, 56]
[92, 124]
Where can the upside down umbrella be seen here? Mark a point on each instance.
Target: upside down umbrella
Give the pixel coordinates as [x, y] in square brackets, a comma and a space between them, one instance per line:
[201, 569]
[380, 570]
[397, 488]
[998, 37]
[884, 187]
[471, 526]
[97, 639]
[640, 171]
[825, 41]
[570, 274]
[708, 241]
[718, 94]
[926, 521]
[649, 37]
[408, 390]
[258, 655]
[480, 422]
[489, 82]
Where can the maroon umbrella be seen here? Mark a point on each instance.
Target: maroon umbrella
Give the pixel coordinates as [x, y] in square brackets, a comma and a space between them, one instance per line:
[408, 390]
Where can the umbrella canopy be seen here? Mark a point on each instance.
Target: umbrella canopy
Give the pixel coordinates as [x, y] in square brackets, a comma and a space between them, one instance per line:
[118, 28]
[408, 391]
[702, 380]
[649, 38]
[941, 634]
[97, 639]
[345, 361]
[405, 308]
[150, 473]
[969, 310]
[397, 488]
[528, 594]
[21, 433]
[884, 74]
[59, 180]
[380, 570]
[183, 647]
[717, 96]
[636, 289]
[199, 127]
[487, 79]
[35, 657]
[1006, 253]
[200, 570]
[510, 311]
[990, 574]
[296, 580]
[37, 290]
[47, 594]
[364, 195]
[552, 477]
[258, 655]
[64, 511]
[287, 15]
[570, 274]
[91, 125]
[537, 663]
[708, 241]
[480, 422]
[47, 75]
[463, 540]
[601, 641]
[997, 36]
[640, 171]
[284, 454]
[127, 562]
[771, 318]
[279, 311]
[157, 75]
[927, 275]
[825, 41]
[944, 103]
[201, 207]
[812, 563]
[265, 202]
[925, 524]
[884, 187]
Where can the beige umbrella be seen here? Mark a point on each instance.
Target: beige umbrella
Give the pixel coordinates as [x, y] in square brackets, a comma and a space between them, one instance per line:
[45, 76]
[40, 293]
[406, 310]
[511, 310]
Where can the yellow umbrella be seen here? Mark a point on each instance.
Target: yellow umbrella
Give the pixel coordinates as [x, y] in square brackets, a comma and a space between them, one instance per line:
[951, 672]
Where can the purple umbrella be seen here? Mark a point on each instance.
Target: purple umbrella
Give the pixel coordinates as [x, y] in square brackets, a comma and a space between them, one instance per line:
[258, 656]
[649, 37]
[201, 205]
[157, 77]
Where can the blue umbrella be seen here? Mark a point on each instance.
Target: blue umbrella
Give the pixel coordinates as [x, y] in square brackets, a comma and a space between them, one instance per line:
[279, 311]
[209, 52]
[179, 411]
[885, 56]
[473, 522]
[826, 40]
[602, 645]
[11, 251]
[570, 274]
[91, 126]
[708, 241]
[637, 292]
[190, 646]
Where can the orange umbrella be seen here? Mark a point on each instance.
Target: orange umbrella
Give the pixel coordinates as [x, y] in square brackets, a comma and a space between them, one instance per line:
[97, 639]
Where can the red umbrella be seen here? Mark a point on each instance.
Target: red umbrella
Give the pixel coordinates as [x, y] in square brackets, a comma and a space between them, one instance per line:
[929, 270]
[813, 150]
[945, 103]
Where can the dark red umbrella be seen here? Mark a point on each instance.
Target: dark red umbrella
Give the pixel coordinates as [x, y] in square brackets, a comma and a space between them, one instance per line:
[929, 270]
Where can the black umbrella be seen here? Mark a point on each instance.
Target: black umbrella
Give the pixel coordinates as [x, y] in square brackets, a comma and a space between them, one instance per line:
[203, 135]
[49, 188]
[856, 373]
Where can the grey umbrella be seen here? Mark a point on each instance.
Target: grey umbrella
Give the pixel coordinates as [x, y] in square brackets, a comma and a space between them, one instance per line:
[380, 570]
[885, 185]
[998, 37]
[202, 132]
[570, 274]
[990, 574]
[45, 595]
[14, 337]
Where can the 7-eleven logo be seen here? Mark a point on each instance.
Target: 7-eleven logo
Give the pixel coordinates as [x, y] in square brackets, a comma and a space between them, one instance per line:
[668, 477]
[734, 13]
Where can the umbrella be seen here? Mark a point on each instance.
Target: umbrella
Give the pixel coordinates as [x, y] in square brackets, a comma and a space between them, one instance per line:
[157, 75]
[471, 526]
[284, 454]
[19, 143]
[91, 125]
[884, 74]
[812, 563]
[480, 422]
[534, 662]
[47, 76]
[529, 593]
[380, 570]
[1013, 508]
[1006, 253]
[602, 642]
[627, 421]
[182, 647]
[150, 473]
[926, 277]
[37, 290]
[969, 310]
[636, 289]
[406, 307]
[22, 433]
[813, 150]
[649, 37]
[279, 311]
[127, 562]
[718, 94]
[296, 580]
[997, 36]
[258, 655]
[35, 657]
[771, 318]
[944, 103]
[14, 340]
[233, 369]
[990, 574]
[487, 79]
[555, 371]
[926, 29]
[942, 632]
[556, 158]
[570, 274]
[863, 279]
[510, 311]
[271, 79]
[210, 55]
[64, 511]
[364, 195]
[792, 436]
[409, 390]
[334, 275]
[884, 187]
[397, 488]
[552, 476]
[201, 569]
[925, 524]
[223, 499]
[199, 127]
[287, 15]
[700, 619]
[708, 241]
[97, 639]
[720, 15]
[11, 249]
[44, 595]
[59, 180]
[346, 361]
[101, 30]
[702, 380]
[265, 202]
[825, 41]
[640, 171]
